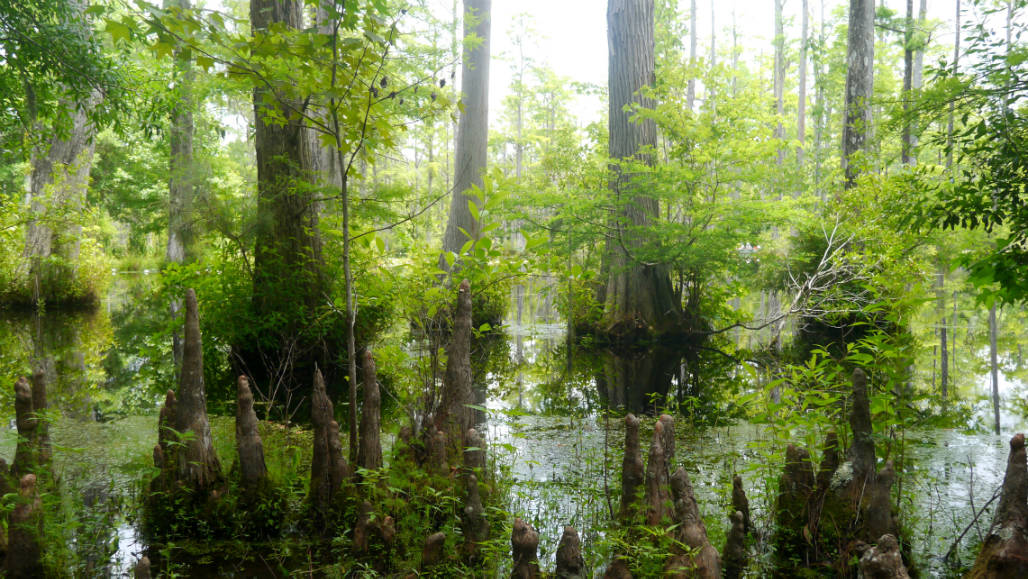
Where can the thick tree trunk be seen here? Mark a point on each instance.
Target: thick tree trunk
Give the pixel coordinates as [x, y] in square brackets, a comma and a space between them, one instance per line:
[859, 89]
[289, 282]
[639, 296]
[181, 183]
[473, 130]
[181, 180]
[453, 417]
[60, 176]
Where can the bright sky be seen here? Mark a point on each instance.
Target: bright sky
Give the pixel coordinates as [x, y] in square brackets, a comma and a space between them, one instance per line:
[573, 34]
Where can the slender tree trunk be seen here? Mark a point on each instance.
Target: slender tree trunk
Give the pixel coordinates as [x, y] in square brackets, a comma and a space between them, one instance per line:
[779, 78]
[940, 312]
[694, 26]
[908, 86]
[639, 295]
[713, 35]
[801, 112]
[473, 130]
[735, 56]
[859, 89]
[956, 68]
[821, 111]
[994, 365]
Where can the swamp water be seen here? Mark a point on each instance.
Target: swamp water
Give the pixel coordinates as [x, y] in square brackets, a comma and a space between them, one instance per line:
[547, 427]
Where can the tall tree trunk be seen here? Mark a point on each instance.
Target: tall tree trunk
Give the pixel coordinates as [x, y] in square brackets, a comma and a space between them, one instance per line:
[60, 176]
[694, 26]
[940, 312]
[639, 295]
[801, 112]
[473, 130]
[56, 194]
[908, 85]
[779, 78]
[181, 180]
[713, 35]
[821, 112]
[288, 274]
[994, 366]
[859, 88]
[952, 106]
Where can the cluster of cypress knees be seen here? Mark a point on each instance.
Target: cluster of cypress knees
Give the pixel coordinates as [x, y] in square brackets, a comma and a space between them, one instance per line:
[823, 520]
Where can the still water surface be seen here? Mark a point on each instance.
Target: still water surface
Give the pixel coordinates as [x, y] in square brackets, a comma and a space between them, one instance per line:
[547, 428]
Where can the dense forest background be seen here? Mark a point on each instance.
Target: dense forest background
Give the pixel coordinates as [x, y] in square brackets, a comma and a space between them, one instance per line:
[745, 220]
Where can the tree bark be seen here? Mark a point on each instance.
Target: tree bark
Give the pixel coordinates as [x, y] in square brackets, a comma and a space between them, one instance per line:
[198, 465]
[249, 447]
[694, 26]
[779, 78]
[907, 149]
[952, 106]
[60, 176]
[859, 89]
[56, 193]
[369, 455]
[639, 295]
[472, 131]
[288, 282]
[940, 312]
[181, 182]
[994, 366]
[801, 112]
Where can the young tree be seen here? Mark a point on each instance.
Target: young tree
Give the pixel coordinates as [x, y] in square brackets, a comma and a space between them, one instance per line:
[638, 295]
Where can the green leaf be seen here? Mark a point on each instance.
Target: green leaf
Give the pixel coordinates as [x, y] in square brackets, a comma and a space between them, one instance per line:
[117, 30]
[204, 62]
[473, 208]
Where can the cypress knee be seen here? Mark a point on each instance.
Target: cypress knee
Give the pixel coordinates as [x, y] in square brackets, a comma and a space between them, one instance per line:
[734, 553]
[25, 529]
[524, 544]
[1005, 551]
[198, 466]
[657, 496]
[369, 450]
[632, 468]
[570, 563]
[740, 503]
[702, 559]
[252, 468]
[328, 467]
